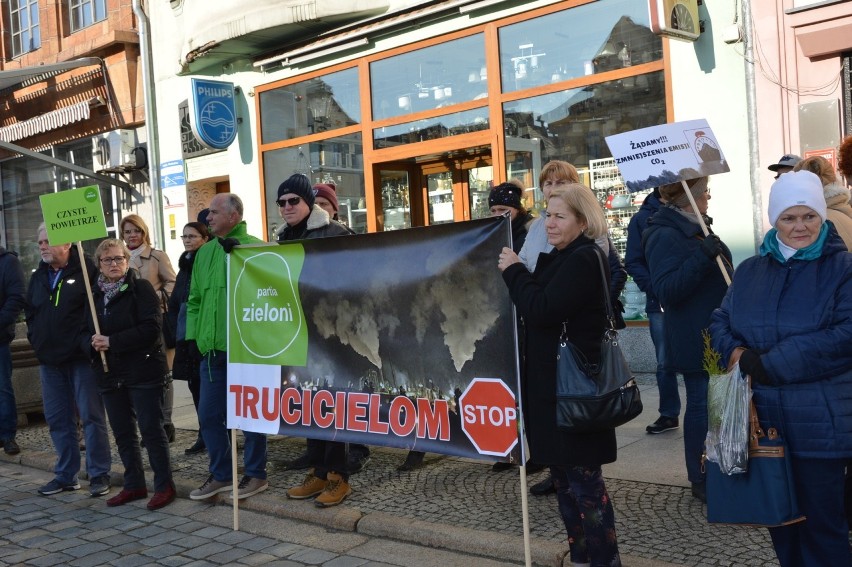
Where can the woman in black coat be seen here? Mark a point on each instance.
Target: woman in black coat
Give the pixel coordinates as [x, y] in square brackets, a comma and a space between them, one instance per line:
[566, 287]
[133, 384]
[187, 361]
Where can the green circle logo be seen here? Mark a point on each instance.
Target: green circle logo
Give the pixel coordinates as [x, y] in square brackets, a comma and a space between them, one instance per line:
[267, 311]
[91, 195]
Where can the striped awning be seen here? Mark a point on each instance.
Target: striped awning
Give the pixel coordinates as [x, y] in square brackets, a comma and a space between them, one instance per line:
[49, 120]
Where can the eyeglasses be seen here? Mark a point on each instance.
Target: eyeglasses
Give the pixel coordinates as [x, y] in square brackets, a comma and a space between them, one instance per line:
[292, 201]
[116, 261]
[189, 236]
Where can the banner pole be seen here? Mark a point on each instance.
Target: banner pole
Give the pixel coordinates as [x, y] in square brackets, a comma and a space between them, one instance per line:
[704, 229]
[525, 512]
[91, 298]
[234, 483]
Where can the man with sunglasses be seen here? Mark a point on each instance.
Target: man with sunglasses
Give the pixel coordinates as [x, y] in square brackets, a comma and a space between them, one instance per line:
[206, 324]
[328, 477]
[302, 219]
[785, 164]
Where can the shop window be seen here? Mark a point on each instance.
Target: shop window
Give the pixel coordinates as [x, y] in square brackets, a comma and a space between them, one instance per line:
[431, 128]
[24, 179]
[26, 33]
[846, 99]
[589, 39]
[428, 78]
[307, 107]
[571, 125]
[339, 161]
[86, 12]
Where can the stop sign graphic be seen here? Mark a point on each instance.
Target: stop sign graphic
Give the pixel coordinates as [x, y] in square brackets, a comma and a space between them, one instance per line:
[489, 417]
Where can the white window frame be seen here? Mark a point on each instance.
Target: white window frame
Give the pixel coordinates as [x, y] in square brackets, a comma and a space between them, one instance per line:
[25, 38]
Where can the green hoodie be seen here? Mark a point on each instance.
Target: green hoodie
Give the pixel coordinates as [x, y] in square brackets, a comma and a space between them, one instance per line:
[206, 321]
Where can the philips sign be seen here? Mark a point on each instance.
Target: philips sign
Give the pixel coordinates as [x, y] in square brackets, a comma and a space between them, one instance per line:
[214, 115]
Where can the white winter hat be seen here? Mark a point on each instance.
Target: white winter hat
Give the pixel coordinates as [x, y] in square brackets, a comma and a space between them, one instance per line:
[796, 188]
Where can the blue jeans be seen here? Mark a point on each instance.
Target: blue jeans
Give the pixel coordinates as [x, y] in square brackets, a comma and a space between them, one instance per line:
[127, 408]
[67, 390]
[822, 539]
[666, 379]
[695, 423]
[212, 418]
[8, 407]
[586, 510]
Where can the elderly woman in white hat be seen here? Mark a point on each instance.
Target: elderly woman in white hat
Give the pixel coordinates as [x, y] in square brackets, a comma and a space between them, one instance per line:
[787, 319]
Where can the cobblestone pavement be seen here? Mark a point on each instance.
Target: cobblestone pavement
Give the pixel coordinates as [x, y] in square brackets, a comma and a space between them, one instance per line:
[76, 530]
[655, 522]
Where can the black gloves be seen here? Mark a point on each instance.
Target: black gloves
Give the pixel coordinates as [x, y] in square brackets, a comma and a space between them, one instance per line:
[711, 246]
[228, 244]
[750, 364]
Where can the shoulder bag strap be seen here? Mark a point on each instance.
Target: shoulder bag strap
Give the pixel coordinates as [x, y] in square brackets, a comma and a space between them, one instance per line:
[610, 317]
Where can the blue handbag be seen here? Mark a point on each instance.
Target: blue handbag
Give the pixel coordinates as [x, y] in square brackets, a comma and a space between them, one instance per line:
[764, 495]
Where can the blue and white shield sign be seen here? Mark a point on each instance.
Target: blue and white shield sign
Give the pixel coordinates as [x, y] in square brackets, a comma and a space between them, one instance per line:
[214, 115]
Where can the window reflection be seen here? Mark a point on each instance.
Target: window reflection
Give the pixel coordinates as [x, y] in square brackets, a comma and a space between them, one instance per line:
[432, 128]
[316, 105]
[589, 39]
[571, 125]
[336, 161]
[433, 77]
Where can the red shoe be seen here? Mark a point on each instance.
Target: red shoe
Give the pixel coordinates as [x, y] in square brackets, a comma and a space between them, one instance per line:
[127, 495]
[162, 498]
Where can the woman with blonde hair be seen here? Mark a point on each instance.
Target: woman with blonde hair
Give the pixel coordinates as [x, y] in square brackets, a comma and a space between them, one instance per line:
[836, 195]
[566, 291]
[153, 265]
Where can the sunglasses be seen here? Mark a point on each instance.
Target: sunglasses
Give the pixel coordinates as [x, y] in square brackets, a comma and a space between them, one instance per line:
[292, 201]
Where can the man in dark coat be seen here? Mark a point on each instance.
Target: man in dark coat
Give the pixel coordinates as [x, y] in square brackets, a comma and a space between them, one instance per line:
[56, 314]
[687, 280]
[11, 304]
[637, 267]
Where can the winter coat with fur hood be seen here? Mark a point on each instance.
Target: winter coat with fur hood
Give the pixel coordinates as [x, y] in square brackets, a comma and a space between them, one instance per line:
[839, 211]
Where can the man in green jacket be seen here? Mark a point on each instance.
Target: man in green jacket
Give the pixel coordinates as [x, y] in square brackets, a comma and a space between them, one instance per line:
[206, 324]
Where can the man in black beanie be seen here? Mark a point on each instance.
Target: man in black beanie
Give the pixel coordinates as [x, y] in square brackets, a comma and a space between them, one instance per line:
[302, 217]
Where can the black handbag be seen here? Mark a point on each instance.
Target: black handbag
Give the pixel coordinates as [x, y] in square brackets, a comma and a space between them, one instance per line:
[764, 495]
[595, 397]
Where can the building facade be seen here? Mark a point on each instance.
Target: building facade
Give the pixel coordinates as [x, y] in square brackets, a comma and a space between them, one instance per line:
[71, 105]
[415, 111]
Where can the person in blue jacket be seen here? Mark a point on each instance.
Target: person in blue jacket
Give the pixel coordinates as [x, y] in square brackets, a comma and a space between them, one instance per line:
[688, 282]
[637, 267]
[787, 320]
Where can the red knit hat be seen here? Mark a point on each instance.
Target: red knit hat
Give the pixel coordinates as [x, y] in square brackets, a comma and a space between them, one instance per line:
[327, 192]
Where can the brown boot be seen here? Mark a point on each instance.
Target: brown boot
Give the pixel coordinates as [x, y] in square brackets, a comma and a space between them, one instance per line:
[311, 486]
[336, 491]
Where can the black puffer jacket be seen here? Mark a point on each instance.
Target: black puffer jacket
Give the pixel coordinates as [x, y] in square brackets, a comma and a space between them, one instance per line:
[55, 315]
[132, 321]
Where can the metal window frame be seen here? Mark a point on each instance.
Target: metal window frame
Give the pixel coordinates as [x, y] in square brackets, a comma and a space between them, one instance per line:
[17, 32]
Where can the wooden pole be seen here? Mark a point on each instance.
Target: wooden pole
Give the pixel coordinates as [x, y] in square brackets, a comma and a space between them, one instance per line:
[91, 298]
[234, 482]
[704, 229]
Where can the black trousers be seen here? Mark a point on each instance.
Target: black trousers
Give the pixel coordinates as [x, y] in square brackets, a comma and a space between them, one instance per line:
[326, 457]
[126, 408]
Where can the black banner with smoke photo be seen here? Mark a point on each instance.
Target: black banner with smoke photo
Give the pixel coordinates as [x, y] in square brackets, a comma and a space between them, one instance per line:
[398, 327]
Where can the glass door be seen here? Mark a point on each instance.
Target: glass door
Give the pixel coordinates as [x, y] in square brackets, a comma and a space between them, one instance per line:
[441, 201]
[396, 198]
[479, 182]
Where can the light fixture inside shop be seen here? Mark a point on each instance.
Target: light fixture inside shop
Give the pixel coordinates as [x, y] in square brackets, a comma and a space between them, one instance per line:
[527, 61]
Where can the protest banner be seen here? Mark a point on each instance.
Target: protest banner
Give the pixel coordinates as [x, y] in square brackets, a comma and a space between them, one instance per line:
[403, 339]
[667, 153]
[73, 216]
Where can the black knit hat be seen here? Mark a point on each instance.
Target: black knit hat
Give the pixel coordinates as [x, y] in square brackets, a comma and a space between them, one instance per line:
[506, 194]
[300, 185]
